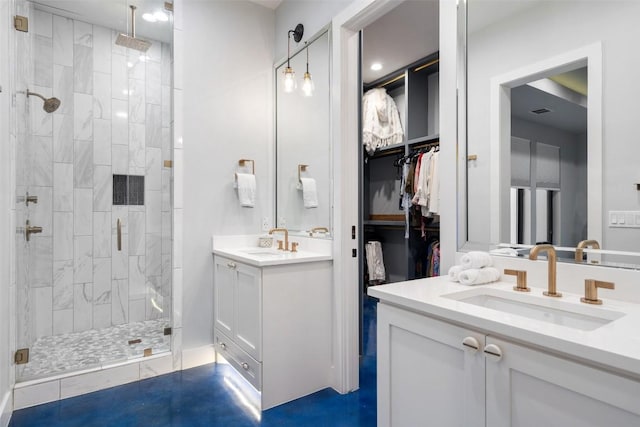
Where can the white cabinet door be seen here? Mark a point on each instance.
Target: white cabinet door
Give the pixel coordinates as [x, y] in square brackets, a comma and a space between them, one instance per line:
[426, 376]
[248, 331]
[224, 299]
[527, 387]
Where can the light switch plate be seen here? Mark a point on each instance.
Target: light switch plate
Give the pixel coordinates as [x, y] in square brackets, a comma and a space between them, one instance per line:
[624, 219]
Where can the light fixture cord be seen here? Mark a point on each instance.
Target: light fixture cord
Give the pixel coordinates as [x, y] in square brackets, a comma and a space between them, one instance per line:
[307, 56]
[289, 48]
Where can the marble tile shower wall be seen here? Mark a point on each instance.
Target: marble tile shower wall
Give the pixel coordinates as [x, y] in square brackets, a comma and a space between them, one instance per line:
[114, 118]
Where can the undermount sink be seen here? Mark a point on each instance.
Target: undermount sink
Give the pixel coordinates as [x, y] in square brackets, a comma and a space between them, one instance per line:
[561, 313]
[264, 252]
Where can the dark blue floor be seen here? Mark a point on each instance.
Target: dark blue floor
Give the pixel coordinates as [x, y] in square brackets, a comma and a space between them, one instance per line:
[199, 397]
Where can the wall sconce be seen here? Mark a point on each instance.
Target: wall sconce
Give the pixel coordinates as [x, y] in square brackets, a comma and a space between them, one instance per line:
[307, 82]
[289, 78]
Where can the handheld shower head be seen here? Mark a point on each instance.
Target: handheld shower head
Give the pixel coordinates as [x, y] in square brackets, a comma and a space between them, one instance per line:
[50, 104]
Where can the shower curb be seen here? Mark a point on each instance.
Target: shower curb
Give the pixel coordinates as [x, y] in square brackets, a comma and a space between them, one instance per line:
[36, 392]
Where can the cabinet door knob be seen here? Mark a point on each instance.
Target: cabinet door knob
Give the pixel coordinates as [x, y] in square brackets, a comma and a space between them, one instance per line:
[245, 366]
[223, 346]
[493, 352]
[231, 265]
[471, 344]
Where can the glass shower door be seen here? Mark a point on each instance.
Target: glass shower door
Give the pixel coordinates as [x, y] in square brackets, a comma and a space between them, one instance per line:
[94, 276]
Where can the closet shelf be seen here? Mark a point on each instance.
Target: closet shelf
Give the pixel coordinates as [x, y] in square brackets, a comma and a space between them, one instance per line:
[383, 223]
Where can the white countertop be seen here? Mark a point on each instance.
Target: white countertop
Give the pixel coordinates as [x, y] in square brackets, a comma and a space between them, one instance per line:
[615, 344]
[243, 248]
[263, 258]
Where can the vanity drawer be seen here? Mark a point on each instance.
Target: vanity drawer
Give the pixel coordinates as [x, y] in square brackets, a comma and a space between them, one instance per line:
[246, 365]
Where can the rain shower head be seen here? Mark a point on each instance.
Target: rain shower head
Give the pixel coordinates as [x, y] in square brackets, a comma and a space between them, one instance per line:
[130, 41]
[50, 104]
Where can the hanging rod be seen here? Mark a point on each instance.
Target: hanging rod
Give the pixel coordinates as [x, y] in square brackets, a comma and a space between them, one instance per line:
[428, 64]
[388, 82]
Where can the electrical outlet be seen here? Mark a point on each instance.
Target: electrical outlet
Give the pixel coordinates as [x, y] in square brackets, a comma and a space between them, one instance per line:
[265, 224]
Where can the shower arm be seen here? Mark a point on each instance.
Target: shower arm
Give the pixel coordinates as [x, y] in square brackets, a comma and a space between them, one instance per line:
[29, 93]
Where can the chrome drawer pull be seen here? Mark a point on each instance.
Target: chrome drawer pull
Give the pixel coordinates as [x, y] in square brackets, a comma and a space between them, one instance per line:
[245, 366]
[223, 346]
[231, 265]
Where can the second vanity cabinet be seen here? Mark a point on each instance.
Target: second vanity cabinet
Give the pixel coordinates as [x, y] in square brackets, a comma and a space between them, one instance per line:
[431, 372]
[273, 325]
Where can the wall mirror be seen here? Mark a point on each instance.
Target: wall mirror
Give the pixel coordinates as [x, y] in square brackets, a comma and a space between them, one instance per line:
[303, 141]
[550, 127]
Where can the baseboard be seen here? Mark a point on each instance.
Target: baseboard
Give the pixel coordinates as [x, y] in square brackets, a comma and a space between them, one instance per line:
[6, 407]
[192, 357]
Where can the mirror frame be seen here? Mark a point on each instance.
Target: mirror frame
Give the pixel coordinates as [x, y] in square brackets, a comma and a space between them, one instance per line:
[591, 56]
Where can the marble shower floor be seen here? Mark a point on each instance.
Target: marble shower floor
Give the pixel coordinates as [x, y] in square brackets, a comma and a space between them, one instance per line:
[75, 351]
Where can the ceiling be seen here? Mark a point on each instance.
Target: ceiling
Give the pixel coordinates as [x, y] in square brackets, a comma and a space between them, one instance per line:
[564, 115]
[113, 14]
[406, 34]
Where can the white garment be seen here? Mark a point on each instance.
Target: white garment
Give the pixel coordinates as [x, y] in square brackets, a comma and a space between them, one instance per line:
[381, 124]
[246, 189]
[434, 184]
[421, 197]
[479, 276]
[475, 259]
[309, 193]
[375, 263]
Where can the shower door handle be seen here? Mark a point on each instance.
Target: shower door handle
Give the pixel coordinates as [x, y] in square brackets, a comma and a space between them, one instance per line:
[119, 232]
[31, 229]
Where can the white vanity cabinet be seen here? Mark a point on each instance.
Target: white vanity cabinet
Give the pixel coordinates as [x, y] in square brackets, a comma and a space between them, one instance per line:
[237, 307]
[273, 324]
[430, 374]
[528, 387]
[426, 376]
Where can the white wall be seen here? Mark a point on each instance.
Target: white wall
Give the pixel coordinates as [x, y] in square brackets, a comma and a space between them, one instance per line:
[313, 14]
[6, 182]
[228, 115]
[492, 54]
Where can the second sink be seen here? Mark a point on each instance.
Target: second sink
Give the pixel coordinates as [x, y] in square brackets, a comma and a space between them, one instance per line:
[537, 308]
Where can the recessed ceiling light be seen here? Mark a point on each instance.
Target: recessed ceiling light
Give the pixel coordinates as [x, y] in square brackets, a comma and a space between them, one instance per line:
[376, 66]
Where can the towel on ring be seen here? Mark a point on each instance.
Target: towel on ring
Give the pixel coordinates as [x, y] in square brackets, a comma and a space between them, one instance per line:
[246, 189]
[475, 259]
[479, 276]
[454, 273]
[309, 193]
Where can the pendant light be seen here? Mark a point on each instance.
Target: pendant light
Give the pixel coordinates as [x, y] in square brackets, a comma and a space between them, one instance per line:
[307, 82]
[289, 77]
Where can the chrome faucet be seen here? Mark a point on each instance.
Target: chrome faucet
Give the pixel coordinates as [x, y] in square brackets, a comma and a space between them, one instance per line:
[551, 259]
[585, 244]
[286, 236]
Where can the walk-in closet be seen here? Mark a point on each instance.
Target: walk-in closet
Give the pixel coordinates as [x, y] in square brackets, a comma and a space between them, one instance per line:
[400, 135]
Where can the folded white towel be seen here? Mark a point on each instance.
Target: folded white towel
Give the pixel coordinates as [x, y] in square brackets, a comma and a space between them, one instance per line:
[475, 259]
[309, 193]
[454, 273]
[246, 189]
[478, 276]
[504, 251]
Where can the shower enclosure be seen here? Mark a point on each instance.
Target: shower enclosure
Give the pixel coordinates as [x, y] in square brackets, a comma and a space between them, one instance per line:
[93, 194]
